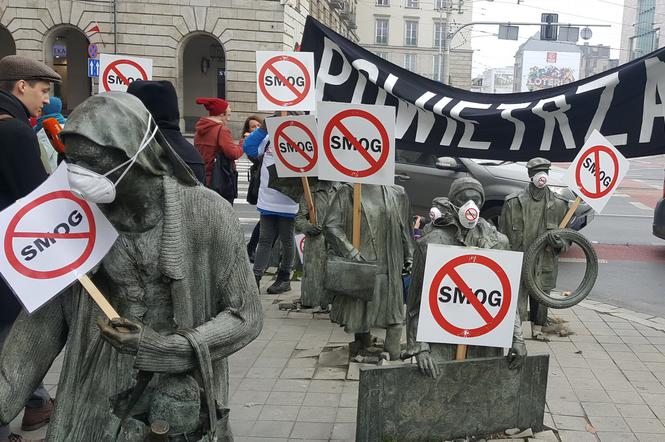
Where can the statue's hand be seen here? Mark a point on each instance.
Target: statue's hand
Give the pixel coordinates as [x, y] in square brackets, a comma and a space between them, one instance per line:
[426, 364]
[356, 256]
[516, 355]
[555, 241]
[313, 229]
[121, 333]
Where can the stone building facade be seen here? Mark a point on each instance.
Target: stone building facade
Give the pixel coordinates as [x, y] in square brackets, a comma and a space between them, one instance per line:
[204, 47]
[409, 33]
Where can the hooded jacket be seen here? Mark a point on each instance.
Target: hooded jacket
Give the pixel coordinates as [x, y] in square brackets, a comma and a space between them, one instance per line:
[21, 171]
[212, 137]
[160, 98]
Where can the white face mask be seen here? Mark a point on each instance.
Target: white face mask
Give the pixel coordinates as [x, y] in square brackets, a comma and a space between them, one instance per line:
[468, 214]
[434, 213]
[539, 180]
[96, 188]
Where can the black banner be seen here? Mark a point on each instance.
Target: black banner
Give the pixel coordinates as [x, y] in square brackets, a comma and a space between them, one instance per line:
[624, 104]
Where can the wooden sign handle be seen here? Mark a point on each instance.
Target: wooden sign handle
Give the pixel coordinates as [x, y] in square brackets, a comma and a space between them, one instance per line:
[571, 211]
[356, 214]
[461, 352]
[309, 199]
[97, 296]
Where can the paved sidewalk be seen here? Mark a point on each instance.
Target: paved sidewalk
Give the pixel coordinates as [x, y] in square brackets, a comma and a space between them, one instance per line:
[606, 381]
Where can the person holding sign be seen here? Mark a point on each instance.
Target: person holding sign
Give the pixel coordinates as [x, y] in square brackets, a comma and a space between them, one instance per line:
[526, 216]
[386, 242]
[181, 282]
[455, 227]
[314, 256]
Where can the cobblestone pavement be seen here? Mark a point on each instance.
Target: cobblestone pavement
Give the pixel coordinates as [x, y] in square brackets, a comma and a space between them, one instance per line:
[293, 383]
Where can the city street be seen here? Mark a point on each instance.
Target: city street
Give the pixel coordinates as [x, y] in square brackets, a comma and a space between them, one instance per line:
[627, 249]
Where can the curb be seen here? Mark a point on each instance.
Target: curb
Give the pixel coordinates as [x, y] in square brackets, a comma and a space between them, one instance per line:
[645, 319]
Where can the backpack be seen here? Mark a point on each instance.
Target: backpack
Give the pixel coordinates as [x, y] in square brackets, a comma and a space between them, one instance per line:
[224, 179]
[254, 178]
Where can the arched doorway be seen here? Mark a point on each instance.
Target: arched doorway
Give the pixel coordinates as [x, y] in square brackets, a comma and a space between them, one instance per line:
[7, 45]
[203, 75]
[66, 50]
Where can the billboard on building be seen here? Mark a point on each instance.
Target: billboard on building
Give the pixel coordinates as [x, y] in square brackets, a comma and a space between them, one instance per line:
[546, 69]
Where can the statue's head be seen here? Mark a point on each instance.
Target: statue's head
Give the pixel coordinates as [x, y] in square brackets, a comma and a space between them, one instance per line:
[466, 189]
[539, 169]
[468, 196]
[112, 143]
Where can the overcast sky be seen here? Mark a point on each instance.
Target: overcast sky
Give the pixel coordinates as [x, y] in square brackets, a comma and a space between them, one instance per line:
[489, 51]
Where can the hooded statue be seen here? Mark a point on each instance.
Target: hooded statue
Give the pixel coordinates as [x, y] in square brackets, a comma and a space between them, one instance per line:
[314, 254]
[179, 277]
[449, 230]
[385, 238]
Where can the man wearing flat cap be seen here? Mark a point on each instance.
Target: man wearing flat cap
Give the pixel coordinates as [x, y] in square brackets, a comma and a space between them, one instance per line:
[525, 216]
[24, 88]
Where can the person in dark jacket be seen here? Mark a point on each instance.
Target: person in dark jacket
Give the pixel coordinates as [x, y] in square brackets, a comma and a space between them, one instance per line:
[25, 85]
[160, 98]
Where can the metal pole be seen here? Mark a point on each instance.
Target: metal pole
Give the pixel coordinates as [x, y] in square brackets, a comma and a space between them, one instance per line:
[439, 70]
[446, 44]
[115, 27]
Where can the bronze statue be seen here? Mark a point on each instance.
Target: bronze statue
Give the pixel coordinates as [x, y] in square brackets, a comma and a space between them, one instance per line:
[525, 216]
[386, 242]
[178, 275]
[314, 254]
[452, 228]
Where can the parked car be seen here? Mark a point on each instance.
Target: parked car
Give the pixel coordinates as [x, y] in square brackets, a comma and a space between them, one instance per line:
[425, 176]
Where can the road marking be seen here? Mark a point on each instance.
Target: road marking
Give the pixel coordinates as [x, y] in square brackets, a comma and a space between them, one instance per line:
[580, 260]
[248, 220]
[617, 215]
[640, 205]
[621, 195]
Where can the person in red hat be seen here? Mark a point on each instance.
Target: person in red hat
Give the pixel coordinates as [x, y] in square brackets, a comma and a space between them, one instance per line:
[212, 137]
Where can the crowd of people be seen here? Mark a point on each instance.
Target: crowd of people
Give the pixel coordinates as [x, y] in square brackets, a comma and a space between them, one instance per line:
[32, 149]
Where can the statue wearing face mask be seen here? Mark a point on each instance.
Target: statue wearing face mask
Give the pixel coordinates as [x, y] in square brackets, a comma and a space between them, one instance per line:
[526, 216]
[459, 225]
[178, 275]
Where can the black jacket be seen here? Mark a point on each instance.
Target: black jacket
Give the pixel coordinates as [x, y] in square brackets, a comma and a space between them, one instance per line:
[160, 98]
[21, 171]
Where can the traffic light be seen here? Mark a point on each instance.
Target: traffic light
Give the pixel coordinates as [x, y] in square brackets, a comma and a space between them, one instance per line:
[549, 31]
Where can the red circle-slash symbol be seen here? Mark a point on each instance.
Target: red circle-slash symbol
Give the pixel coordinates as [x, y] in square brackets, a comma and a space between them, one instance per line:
[114, 66]
[336, 122]
[280, 132]
[471, 214]
[12, 235]
[597, 192]
[450, 269]
[270, 66]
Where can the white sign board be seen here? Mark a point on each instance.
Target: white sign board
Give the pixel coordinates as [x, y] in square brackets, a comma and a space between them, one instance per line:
[596, 172]
[50, 238]
[294, 141]
[300, 245]
[357, 143]
[469, 296]
[546, 69]
[116, 72]
[285, 81]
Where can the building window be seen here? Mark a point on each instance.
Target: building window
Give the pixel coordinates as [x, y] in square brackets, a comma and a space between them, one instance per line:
[645, 39]
[382, 2]
[410, 33]
[410, 62]
[440, 4]
[438, 34]
[383, 55]
[381, 31]
[436, 65]
[411, 3]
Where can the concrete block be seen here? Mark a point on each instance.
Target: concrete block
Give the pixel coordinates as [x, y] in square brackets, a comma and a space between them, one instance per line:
[468, 398]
